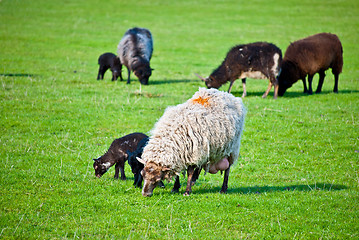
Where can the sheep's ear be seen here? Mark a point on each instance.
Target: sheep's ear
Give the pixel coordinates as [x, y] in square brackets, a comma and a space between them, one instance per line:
[95, 159]
[141, 160]
[152, 69]
[166, 169]
[200, 77]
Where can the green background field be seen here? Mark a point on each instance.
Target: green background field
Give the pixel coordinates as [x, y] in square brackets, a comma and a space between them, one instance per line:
[297, 177]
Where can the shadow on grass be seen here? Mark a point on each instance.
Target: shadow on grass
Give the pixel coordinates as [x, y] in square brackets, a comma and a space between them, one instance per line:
[17, 75]
[290, 94]
[172, 81]
[268, 189]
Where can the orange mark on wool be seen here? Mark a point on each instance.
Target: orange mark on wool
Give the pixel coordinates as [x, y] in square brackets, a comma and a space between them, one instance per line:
[202, 101]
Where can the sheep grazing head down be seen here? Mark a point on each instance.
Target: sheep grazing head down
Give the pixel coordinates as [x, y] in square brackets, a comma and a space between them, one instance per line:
[100, 167]
[152, 174]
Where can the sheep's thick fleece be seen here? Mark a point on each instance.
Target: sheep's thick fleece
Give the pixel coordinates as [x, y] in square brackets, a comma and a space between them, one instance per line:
[203, 130]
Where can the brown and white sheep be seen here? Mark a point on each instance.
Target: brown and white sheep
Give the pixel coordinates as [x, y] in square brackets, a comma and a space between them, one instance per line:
[260, 60]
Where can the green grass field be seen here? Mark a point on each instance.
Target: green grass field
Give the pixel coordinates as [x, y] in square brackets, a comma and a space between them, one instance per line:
[297, 177]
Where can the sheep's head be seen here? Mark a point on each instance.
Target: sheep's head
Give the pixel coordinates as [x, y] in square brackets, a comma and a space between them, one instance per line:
[287, 76]
[210, 81]
[143, 73]
[152, 174]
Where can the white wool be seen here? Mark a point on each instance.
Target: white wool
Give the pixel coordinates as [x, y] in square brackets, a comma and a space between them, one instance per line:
[204, 129]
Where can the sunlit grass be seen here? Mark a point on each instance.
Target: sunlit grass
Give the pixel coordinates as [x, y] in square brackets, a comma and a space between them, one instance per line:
[297, 176]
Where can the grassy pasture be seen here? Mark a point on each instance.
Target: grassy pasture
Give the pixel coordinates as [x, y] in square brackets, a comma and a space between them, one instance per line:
[297, 177]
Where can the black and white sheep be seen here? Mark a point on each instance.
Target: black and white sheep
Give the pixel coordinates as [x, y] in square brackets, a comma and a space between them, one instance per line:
[135, 52]
[201, 132]
[260, 60]
[308, 56]
[117, 154]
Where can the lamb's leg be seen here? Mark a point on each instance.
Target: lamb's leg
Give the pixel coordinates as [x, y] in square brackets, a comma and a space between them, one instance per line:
[190, 172]
[129, 73]
[120, 166]
[321, 80]
[244, 88]
[225, 180]
[138, 180]
[117, 170]
[101, 73]
[176, 186]
[120, 73]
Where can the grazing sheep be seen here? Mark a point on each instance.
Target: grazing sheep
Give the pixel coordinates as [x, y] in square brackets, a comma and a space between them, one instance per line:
[109, 61]
[198, 133]
[135, 52]
[259, 60]
[117, 154]
[308, 56]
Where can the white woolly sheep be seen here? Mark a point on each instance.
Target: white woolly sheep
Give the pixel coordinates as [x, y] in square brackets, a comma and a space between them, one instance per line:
[201, 132]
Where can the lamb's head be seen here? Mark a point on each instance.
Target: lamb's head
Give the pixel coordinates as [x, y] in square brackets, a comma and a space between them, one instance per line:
[152, 174]
[116, 68]
[100, 167]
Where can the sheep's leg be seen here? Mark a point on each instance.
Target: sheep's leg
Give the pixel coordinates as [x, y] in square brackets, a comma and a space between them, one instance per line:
[176, 186]
[129, 73]
[268, 89]
[310, 80]
[230, 86]
[276, 86]
[190, 172]
[195, 176]
[304, 85]
[336, 77]
[321, 80]
[244, 88]
[225, 180]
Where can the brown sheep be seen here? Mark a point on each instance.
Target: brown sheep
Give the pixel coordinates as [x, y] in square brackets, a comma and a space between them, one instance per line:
[308, 56]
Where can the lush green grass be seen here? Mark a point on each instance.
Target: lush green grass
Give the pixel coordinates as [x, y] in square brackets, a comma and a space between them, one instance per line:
[297, 176]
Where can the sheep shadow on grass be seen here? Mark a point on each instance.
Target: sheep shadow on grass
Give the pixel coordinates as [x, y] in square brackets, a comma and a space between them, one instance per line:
[268, 189]
[17, 75]
[172, 81]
